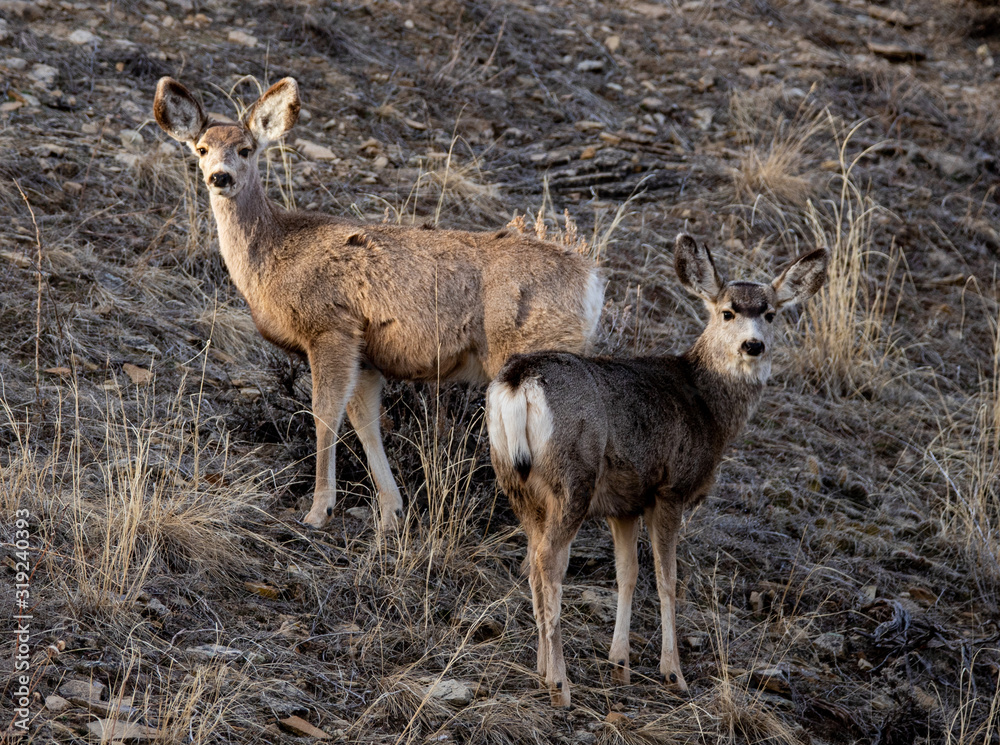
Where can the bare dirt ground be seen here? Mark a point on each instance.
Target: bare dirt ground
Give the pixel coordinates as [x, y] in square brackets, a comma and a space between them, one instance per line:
[839, 585]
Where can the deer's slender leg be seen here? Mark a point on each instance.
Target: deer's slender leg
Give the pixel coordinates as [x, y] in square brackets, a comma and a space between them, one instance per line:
[663, 522]
[552, 558]
[625, 532]
[364, 411]
[335, 361]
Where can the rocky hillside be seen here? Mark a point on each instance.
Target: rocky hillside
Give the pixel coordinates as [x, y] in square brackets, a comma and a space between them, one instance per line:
[840, 584]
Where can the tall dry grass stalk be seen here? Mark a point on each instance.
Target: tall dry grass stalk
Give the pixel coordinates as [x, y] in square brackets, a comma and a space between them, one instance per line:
[778, 163]
[740, 713]
[120, 498]
[967, 724]
[209, 701]
[966, 454]
[550, 225]
[848, 335]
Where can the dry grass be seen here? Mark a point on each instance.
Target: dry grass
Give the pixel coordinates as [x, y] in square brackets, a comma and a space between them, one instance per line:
[863, 491]
[849, 336]
[966, 455]
[779, 161]
[132, 498]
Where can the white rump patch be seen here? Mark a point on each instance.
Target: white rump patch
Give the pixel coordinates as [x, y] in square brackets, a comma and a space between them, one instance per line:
[519, 422]
[506, 421]
[539, 424]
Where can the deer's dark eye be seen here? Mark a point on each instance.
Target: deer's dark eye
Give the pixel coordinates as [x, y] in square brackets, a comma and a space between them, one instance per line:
[202, 150]
[769, 317]
[728, 315]
[244, 152]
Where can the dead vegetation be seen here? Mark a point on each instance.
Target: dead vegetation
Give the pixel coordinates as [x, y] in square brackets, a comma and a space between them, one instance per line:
[839, 586]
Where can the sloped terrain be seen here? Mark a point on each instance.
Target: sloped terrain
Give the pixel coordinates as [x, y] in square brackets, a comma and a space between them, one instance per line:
[839, 585]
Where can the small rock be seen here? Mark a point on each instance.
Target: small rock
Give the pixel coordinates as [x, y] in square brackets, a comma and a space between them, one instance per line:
[212, 651]
[82, 689]
[616, 717]
[696, 641]
[889, 15]
[864, 665]
[409, 24]
[138, 375]
[897, 52]
[156, 608]
[590, 65]
[613, 42]
[359, 513]
[109, 729]
[950, 166]
[242, 37]
[773, 679]
[44, 74]
[56, 704]
[82, 36]
[132, 140]
[703, 118]
[4, 30]
[830, 642]
[313, 151]
[115, 708]
[381, 162]
[15, 63]
[452, 692]
[300, 727]
[651, 103]
[129, 160]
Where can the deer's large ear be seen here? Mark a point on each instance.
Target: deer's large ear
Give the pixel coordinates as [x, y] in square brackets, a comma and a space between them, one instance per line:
[274, 113]
[695, 268]
[801, 279]
[178, 112]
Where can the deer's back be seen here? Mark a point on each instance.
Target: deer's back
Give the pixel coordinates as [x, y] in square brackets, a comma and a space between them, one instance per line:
[632, 428]
[431, 302]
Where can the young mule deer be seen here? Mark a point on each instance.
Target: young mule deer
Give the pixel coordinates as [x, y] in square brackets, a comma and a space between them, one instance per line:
[621, 439]
[369, 302]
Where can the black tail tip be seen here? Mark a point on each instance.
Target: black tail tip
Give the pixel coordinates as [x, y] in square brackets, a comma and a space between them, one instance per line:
[522, 464]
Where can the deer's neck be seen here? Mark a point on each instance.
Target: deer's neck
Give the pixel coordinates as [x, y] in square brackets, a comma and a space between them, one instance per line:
[248, 233]
[732, 392]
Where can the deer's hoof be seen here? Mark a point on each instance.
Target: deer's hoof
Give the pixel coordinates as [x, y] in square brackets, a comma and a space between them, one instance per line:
[318, 516]
[675, 681]
[391, 522]
[620, 673]
[559, 694]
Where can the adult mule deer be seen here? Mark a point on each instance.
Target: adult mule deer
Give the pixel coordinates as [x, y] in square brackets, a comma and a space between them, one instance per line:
[369, 302]
[629, 438]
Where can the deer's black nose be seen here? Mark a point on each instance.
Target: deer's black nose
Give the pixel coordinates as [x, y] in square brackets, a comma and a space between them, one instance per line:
[220, 179]
[753, 347]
